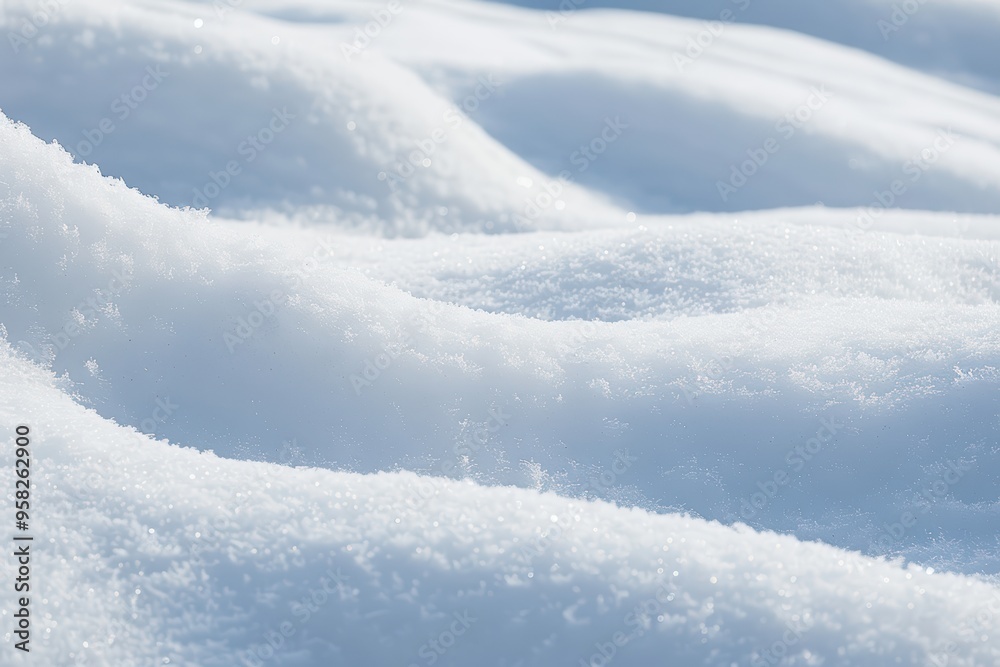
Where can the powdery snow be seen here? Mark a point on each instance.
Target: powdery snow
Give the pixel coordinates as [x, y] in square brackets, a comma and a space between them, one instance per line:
[165, 555]
[468, 412]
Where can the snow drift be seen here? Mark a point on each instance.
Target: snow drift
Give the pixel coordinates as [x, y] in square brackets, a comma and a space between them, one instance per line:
[165, 555]
[365, 413]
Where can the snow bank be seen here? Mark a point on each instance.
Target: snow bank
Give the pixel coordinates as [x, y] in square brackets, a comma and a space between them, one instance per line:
[220, 117]
[735, 342]
[163, 555]
[506, 405]
[406, 134]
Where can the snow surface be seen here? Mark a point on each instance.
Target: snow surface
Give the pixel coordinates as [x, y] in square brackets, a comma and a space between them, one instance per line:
[618, 408]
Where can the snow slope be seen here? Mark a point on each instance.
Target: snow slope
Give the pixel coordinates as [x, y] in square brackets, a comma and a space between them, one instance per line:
[301, 126]
[753, 333]
[593, 390]
[164, 555]
[366, 120]
[952, 39]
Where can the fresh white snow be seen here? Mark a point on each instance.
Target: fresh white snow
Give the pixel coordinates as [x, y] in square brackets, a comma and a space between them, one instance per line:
[368, 410]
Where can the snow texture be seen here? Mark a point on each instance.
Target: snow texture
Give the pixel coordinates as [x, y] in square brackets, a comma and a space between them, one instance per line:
[481, 344]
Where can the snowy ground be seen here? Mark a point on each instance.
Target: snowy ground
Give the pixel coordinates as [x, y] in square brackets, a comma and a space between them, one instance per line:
[502, 335]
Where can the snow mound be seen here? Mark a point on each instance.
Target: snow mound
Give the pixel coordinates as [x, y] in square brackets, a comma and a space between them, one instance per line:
[403, 134]
[164, 555]
[243, 124]
[274, 344]
[485, 297]
[949, 39]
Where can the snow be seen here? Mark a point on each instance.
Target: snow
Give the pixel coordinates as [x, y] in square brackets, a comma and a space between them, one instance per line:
[476, 413]
[526, 116]
[159, 553]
